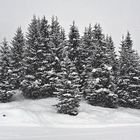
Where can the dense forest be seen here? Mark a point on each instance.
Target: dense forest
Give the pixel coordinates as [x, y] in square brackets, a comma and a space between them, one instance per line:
[47, 63]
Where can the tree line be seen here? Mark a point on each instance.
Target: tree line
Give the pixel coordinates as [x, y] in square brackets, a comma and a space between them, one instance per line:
[46, 63]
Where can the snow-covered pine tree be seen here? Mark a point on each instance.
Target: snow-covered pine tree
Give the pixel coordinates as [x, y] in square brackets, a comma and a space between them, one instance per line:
[129, 75]
[31, 85]
[17, 54]
[112, 58]
[86, 52]
[111, 53]
[100, 89]
[75, 51]
[57, 38]
[5, 73]
[67, 84]
[47, 60]
[39, 61]
[74, 46]
[134, 87]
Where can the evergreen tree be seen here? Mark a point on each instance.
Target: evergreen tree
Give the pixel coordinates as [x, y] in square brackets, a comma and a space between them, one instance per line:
[86, 52]
[39, 61]
[30, 84]
[100, 89]
[17, 52]
[111, 53]
[129, 75]
[75, 51]
[57, 37]
[5, 73]
[112, 58]
[47, 61]
[73, 42]
[68, 88]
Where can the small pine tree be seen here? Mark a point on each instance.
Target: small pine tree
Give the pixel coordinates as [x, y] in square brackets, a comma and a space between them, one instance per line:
[68, 88]
[5, 73]
[129, 75]
[17, 54]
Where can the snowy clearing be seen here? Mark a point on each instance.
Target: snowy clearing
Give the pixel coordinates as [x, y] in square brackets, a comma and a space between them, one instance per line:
[38, 120]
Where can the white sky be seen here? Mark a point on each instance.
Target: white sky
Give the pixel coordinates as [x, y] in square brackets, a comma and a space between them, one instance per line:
[115, 16]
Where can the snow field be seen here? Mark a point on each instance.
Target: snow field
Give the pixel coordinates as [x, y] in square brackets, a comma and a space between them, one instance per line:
[43, 113]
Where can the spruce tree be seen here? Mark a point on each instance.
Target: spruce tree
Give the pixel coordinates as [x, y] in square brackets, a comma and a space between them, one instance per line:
[73, 42]
[39, 61]
[86, 52]
[57, 38]
[100, 89]
[67, 85]
[17, 54]
[112, 58]
[75, 51]
[129, 75]
[47, 60]
[30, 84]
[5, 73]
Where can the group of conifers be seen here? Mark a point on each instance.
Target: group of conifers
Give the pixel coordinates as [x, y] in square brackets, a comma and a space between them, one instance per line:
[47, 63]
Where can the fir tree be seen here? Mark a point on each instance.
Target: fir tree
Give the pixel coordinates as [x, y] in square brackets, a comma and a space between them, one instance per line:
[112, 58]
[73, 42]
[17, 54]
[57, 37]
[39, 61]
[47, 61]
[30, 84]
[5, 73]
[129, 75]
[86, 52]
[100, 89]
[75, 51]
[68, 88]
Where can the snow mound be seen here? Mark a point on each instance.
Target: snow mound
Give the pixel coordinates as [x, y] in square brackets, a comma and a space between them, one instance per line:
[43, 113]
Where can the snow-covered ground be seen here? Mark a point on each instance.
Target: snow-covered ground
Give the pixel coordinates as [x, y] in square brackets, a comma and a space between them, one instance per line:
[38, 120]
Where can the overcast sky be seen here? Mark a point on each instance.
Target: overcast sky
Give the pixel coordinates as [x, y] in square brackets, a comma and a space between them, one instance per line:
[115, 16]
